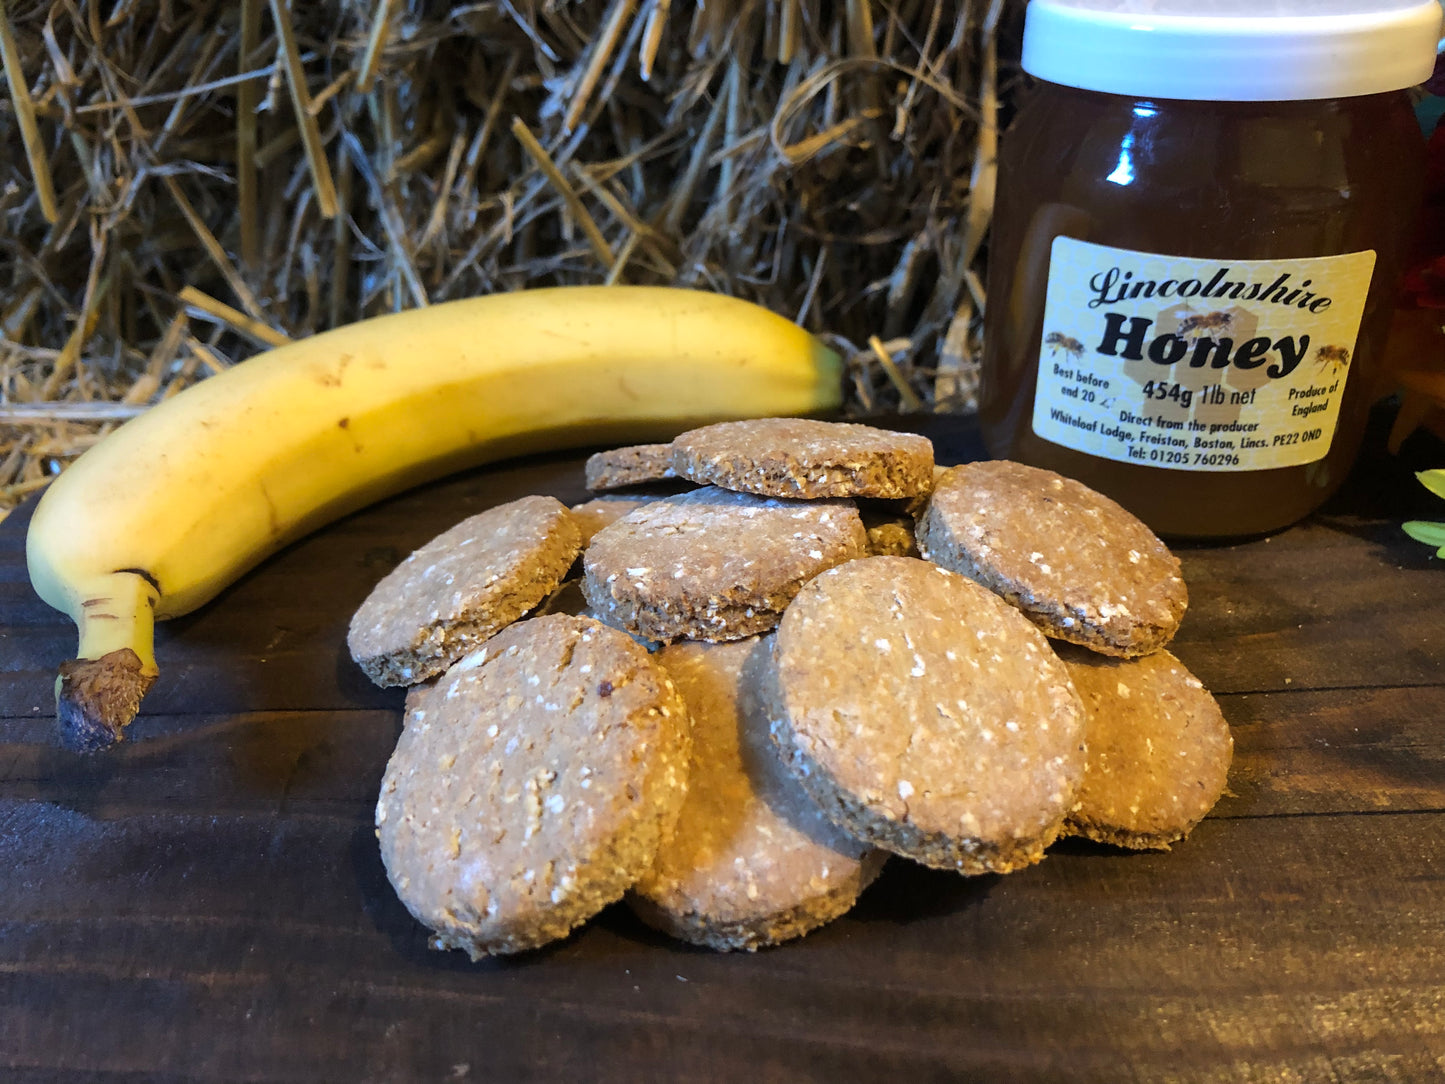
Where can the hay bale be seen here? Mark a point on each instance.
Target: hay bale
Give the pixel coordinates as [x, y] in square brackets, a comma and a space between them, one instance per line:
[185, 183]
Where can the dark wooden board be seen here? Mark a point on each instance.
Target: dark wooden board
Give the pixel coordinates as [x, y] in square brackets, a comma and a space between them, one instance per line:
[207, 902]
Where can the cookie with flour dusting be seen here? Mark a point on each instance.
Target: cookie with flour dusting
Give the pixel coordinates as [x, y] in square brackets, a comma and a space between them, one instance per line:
[1077, 564]
[1159, 749]
[533, 783]
[461, 588]
[753, 861]
[926, 715]
[712, 564]
[802, 457]
[633, 465]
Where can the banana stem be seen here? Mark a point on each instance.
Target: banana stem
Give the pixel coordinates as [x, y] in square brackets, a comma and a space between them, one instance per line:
[98, 693]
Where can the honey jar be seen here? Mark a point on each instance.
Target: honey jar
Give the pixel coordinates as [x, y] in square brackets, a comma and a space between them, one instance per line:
[1201, 219]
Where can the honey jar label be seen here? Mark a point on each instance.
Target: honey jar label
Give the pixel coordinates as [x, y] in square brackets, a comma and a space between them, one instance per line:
[1196, 364]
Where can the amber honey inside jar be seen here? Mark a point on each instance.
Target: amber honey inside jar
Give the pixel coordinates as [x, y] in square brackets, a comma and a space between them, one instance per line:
[1196, 249]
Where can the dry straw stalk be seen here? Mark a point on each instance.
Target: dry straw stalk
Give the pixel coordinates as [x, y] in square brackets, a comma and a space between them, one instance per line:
[185, 181]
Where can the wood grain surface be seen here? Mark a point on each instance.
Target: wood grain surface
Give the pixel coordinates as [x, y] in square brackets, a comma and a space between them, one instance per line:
[207, 901]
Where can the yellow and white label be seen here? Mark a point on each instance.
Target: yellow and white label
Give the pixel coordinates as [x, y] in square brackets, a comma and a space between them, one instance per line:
[1194, 364]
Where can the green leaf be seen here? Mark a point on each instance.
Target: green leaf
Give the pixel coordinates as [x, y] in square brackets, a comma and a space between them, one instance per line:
[1433, 480]
[1432, 534]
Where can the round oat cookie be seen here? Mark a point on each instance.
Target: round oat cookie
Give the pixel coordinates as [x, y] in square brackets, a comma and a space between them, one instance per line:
[753, 860]
[532, 784]
[800, 457]
[1078, 565]
[461, 588]
[926, 715]
[630, 466]
[591, 516]
[1159, 749]
[712, 564]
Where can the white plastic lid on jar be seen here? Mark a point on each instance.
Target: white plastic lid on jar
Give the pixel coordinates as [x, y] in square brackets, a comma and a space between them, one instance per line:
[1233, 50]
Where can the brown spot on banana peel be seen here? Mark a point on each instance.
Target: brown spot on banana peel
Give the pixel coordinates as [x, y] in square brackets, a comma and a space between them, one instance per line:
[97, 698]
[344, 424]
[334, 379]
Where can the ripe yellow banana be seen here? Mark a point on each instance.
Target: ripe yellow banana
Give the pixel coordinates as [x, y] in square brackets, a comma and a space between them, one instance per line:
[161, 515]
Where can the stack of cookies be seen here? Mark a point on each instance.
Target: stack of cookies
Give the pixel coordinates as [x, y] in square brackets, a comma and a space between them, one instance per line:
[824, 652]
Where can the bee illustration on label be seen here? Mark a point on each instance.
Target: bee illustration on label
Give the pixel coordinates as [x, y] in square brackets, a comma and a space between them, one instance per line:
[1333, 358]
[1203, 322]
[1057, 340]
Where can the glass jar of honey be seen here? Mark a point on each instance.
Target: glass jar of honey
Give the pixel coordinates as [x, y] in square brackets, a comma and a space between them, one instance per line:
[1200, 224]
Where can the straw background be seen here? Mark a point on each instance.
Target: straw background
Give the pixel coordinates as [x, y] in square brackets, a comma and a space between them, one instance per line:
[183, 184]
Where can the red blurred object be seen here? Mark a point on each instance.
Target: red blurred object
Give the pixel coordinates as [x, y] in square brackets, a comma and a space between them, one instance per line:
[1423, 285]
